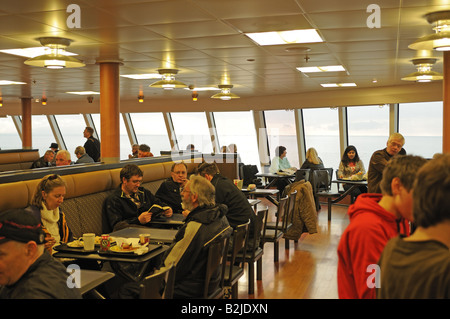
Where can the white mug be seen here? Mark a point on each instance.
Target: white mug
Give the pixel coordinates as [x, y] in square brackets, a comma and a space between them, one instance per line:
[89, 241]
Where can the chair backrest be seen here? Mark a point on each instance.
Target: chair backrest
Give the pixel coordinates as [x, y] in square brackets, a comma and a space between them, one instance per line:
[290, 210]
[239, 243]
[303, 173]
[159, 285]
[322, 179]
[265, 214]
[215, 259]
[282, 208]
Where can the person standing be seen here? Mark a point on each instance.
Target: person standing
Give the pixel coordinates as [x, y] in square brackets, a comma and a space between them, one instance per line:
[374, 219]
[92, 145]
[418, 266]
[379, 159]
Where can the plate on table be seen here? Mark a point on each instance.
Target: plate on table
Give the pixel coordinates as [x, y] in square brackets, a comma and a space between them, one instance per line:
[128, 252]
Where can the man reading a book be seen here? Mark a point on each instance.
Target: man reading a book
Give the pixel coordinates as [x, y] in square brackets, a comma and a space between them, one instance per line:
[130, 203]
[169, 191]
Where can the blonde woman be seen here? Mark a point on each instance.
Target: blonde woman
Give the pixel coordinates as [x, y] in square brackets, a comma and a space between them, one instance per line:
[313, 161]
[45, 205]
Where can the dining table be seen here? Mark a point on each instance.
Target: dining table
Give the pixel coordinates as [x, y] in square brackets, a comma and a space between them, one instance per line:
[90, 280]
[268, 193]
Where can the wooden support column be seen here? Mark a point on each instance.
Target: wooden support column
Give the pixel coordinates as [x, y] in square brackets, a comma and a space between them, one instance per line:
[446, 105]
[26, 123]
[109, 111]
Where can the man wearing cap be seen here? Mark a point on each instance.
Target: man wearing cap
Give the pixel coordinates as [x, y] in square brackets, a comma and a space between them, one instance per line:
[27, 271]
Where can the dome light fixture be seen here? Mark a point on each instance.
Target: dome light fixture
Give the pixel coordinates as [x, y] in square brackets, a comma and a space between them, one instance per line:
[168, 81]
[225, 93]
[424, 72]
[56, 57]
[440, 40]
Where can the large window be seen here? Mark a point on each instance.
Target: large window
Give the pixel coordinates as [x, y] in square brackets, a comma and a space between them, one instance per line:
[192, 128]
[238, 128]
[421, 125]
[9, 138]
[150, 129]
[281, 130]
[322, 132]
[125, 145]
[72, 127]
[42, 135]
[368, 129]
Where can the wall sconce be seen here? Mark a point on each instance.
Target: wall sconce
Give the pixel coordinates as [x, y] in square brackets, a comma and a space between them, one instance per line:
[141, 98]
[90, 99]
[194, 96]
[44, 101]
[1, 101]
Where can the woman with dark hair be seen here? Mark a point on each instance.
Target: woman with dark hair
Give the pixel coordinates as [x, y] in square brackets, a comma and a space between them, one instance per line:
[351, 167]
[280, 161]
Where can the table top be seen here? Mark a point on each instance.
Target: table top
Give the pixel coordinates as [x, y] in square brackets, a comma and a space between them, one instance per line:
[175, 220]
[159, 235]
[275, 175]
[91, 279]
[348, 181]
[263, 191]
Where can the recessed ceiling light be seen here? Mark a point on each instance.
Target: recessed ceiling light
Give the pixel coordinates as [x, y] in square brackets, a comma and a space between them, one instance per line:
[6, 82]
[33, 52]
[285, 37]
[142, 76]
[83, 92]
[329, 68]
[336, 85]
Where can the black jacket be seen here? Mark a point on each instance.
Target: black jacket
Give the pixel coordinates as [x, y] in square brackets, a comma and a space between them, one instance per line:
[169, 192]
[92, 147]
[189, 250]
[239, 209]
[46, 278]
[120, 211]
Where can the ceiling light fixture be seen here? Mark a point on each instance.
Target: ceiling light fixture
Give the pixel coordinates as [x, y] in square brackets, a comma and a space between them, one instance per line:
[57, 57]
[146, 76]
[337, 85]
[440, 40]
[194, 96]
[329, 68]
[141, 98]
[285, 37]
[424, 73]
[168, 81]
[225, 93]
[44, 101]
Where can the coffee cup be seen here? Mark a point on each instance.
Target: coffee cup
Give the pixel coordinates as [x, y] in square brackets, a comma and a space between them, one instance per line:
[89, 241]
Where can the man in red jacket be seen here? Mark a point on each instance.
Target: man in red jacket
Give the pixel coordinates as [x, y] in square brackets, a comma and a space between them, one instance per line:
[374, 219]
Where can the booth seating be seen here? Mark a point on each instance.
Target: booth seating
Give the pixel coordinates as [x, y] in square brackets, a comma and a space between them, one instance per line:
[86, 192]
[19, 159]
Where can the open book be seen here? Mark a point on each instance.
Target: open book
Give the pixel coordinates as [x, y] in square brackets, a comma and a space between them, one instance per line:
[157, 210]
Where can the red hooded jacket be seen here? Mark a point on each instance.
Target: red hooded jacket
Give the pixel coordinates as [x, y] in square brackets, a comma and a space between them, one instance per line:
[361, 244]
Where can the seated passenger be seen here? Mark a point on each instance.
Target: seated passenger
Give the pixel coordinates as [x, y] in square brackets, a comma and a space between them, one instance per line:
[129, 203]
[63, 158]
[239, 209]
[313, 161]
[205, 222]
[27, 271]
[82, 156]
[44, 161]
[134, 151]
[45, 206]
[351, 167]
[169, 191]
[144, 151]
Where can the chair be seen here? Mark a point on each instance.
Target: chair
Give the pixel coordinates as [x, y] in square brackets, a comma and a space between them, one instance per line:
[255, 255]
[275, 234]
[321, 182]
[234, 270]
[286, 220]
[216, 251]
[304, 173]
[159, 285]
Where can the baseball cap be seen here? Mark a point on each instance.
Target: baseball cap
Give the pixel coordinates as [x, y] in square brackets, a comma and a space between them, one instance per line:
[54, 145]
[20, 225]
